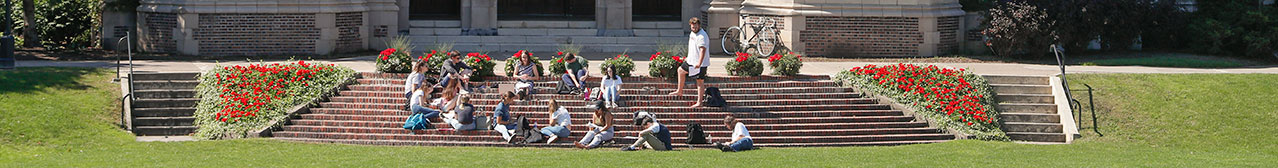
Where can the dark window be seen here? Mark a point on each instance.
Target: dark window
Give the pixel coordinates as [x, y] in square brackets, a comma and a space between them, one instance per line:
[546, 10]
[657, 10]
[434, 10]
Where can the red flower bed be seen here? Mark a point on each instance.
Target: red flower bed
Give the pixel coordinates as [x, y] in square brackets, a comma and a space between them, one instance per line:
[955, 97]
[235, 97]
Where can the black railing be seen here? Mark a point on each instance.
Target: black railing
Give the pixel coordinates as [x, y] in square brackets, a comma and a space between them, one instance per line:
[124, 119]
[1075, 105]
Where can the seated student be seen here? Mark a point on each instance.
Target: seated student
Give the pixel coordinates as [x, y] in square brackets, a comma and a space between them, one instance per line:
[601, 128]
[464, 115]
[560, 119]
[740, 137]
[418, 99]
[574, 72]
[447, 99]
[655, 137]
[611, 86]
[526, 72]
[455, 68]
[501, 116]
[416, 79]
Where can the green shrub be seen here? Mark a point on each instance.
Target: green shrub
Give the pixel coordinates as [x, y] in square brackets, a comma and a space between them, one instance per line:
[557, 67]
[438, 54]
[787, 64]
[744, 65]
[664, 65]
[482, 64]
[1018, 30]
[235, 101]
[951, 98]
[622, 62]
[396, 59]
[515, 59]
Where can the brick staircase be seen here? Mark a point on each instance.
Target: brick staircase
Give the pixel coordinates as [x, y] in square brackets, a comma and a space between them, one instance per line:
[165, 103]
[1029, 111]
[545, 36]
[780, 112]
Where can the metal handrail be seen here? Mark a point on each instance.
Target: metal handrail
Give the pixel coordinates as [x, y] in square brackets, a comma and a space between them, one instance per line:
[1075, 105]
[124, 119]
[127, 97]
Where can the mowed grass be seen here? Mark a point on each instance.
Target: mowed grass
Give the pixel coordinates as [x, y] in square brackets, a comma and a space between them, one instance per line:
[1148, 121]
[1171, 60]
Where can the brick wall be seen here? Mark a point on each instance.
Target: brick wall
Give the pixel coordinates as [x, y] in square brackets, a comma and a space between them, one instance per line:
[348, 37]
[159, 32]
[861, 36]
[949, 27]
[256, 34]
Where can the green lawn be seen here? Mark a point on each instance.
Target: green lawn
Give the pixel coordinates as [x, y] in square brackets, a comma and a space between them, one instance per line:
[54, 117]
[1169, 60]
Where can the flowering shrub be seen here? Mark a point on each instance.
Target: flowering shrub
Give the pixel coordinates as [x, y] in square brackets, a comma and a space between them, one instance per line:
[623, 64]
[237, 100]
[515, 59]
[557, 65]
[396, 58]
[785, 64]
[482, 63]
[744, 65]
[438, 54]
[664, 65]
[952, 98]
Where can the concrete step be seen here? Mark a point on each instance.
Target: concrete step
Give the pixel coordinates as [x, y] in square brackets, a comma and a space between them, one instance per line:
[434, 24]
[164, 121]
[145, 76]
[1030, 117]
[660, 25]
[1016, 79]
[546, 24]
[1021, 89]
[434, 32]
[1036, 136]
[163, 130]
[546, 32]
[1026, 98]
[164, 84]
[164, 112]
[1027, 108]
[164, 93]
[1032, 127]
[153, 103]
[660, 33]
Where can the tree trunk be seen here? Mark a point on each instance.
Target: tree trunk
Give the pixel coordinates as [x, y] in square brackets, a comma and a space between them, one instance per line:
[29, 36]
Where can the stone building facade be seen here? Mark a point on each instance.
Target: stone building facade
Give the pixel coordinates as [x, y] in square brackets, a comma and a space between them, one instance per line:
[845, 28]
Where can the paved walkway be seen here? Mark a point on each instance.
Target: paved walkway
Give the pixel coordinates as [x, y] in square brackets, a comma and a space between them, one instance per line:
[365, 64]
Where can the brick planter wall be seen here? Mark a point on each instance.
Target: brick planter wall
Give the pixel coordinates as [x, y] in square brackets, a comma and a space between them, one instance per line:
[256, 34]
[862, 36]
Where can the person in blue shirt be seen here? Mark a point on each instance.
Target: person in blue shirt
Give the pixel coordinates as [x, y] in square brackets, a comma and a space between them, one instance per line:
[501, 116]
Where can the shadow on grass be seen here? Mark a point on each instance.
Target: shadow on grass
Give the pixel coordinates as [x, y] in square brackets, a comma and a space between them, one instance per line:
[28, 80]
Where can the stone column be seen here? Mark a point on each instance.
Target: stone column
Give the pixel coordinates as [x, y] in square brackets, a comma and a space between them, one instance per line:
[382, 19]
[931, 37]
[113, 21]
[327, 23]
[185, 31]
[614, 17]
[404, 9]
[479, 17]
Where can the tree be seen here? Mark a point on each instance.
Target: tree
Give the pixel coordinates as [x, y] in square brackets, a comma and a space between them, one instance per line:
[29, 37]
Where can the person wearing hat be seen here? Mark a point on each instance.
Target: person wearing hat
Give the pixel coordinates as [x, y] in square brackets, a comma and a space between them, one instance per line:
[656, 137]
[601, 128]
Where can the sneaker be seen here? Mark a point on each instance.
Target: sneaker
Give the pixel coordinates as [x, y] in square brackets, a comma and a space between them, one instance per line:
[628, 148]
[718, 145]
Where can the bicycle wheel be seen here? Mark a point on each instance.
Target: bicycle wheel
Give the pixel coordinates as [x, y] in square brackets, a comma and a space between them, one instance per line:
[730, 40]
[767, 43]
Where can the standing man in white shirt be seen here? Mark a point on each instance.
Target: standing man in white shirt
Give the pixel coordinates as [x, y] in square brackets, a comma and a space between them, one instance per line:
[697, 61]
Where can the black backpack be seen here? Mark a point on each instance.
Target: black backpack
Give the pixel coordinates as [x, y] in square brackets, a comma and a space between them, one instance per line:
[525, 129]
[713, 98]
[563, 88]
[695, 134]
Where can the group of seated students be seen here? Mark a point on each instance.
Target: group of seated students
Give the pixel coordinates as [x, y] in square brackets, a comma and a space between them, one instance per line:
[454, 108]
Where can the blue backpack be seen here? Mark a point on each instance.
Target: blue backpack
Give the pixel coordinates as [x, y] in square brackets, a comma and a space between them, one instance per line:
[416, 121]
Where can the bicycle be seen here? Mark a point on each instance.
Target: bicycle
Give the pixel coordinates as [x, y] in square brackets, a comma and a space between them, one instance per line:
[765, 40]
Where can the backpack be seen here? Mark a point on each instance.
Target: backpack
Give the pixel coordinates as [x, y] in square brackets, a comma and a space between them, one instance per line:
[417, 121]
[713, 98]
[695, 134]
[525, 129]
[564, 88]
